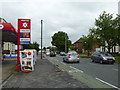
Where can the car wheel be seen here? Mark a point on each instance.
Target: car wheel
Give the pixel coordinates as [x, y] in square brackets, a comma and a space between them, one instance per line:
[101, 62]
[63, 60]
[112, 63]
[78, 61]
[92, 60]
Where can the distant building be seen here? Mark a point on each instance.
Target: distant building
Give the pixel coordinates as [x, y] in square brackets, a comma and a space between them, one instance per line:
[79, 46]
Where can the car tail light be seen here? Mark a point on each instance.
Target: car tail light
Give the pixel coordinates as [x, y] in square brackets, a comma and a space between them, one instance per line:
[69, 56]
[23, 62]
[29, 53]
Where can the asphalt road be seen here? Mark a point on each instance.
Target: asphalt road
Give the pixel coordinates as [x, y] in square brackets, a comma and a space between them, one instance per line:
[106, 73]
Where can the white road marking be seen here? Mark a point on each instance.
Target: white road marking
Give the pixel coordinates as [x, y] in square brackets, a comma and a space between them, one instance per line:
[107, 83]
[115, 69]
[73, 71]
[77, 69]
[59, 61]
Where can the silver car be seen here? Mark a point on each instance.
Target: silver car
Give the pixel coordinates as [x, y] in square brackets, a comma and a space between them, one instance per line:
[72, 56]
[102, 57]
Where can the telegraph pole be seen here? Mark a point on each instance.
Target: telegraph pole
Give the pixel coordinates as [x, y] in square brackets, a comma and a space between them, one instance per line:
[41, 36]
[65, 44]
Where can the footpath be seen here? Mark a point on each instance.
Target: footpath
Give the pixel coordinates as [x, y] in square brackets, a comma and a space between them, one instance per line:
[8, 69]
[45, 75]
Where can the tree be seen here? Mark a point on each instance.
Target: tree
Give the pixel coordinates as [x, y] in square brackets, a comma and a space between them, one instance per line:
[117, 28]
[44, 48]
[33, 45]
[88, 43]
[53, 49]
[105, 31]
[59, 39]
[73, 48]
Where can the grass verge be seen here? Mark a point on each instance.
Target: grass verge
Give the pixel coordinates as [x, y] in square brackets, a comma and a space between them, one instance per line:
[85, 56]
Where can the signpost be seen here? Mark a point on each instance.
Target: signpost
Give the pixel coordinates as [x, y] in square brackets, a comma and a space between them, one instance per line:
[24, 31]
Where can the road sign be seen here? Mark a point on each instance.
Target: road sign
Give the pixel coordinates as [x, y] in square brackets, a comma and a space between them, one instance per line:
[24, 26]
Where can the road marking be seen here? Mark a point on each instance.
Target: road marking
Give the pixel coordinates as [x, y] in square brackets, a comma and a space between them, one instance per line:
[59, 61]
[115, 69]
[77, 69]
[73, 71]
[107, 83]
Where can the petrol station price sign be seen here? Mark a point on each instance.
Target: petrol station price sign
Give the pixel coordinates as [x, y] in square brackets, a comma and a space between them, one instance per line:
[24, 31]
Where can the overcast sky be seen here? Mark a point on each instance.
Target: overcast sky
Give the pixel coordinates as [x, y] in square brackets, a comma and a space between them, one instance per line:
[74, 17]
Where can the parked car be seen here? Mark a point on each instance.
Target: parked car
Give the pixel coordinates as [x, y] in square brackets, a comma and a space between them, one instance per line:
[52, 54]
[47, 53]
[72, 56]
[63, 54]
[118, 53]
[102, 57]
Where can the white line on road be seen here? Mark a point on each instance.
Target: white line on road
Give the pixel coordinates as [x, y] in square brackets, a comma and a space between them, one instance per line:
[59, 61]
[77, 69]
[107, 83]
[115, 69]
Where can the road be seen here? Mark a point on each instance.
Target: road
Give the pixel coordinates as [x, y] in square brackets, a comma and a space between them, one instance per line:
[105, 73]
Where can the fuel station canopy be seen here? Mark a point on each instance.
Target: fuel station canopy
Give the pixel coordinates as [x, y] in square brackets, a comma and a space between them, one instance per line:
[9, 33]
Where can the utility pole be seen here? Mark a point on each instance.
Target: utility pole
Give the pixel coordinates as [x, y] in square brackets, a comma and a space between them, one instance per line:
[41, 36]
[65, 44]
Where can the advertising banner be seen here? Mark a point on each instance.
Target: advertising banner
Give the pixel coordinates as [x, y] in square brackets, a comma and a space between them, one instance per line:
[26, 60]
[10, 56]
[34, 54]
[24, 30]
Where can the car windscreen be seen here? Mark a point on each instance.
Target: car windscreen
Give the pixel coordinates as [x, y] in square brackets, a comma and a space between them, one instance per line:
[106, 54]
[62, 52]
[52, 52]
[72, 53]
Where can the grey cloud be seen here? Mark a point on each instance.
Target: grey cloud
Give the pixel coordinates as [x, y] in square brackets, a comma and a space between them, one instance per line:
[74, 18]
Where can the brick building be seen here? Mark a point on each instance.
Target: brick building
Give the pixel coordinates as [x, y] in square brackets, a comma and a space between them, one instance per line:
[78, 45]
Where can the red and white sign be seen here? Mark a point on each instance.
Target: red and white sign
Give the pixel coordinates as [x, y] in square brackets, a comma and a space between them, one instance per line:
[24, 31]
[1, 26]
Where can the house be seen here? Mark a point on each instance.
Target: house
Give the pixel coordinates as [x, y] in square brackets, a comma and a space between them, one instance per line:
[78, 45]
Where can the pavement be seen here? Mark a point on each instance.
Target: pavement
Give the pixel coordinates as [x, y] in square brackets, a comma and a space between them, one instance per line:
[45, 75]
[8, 69]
